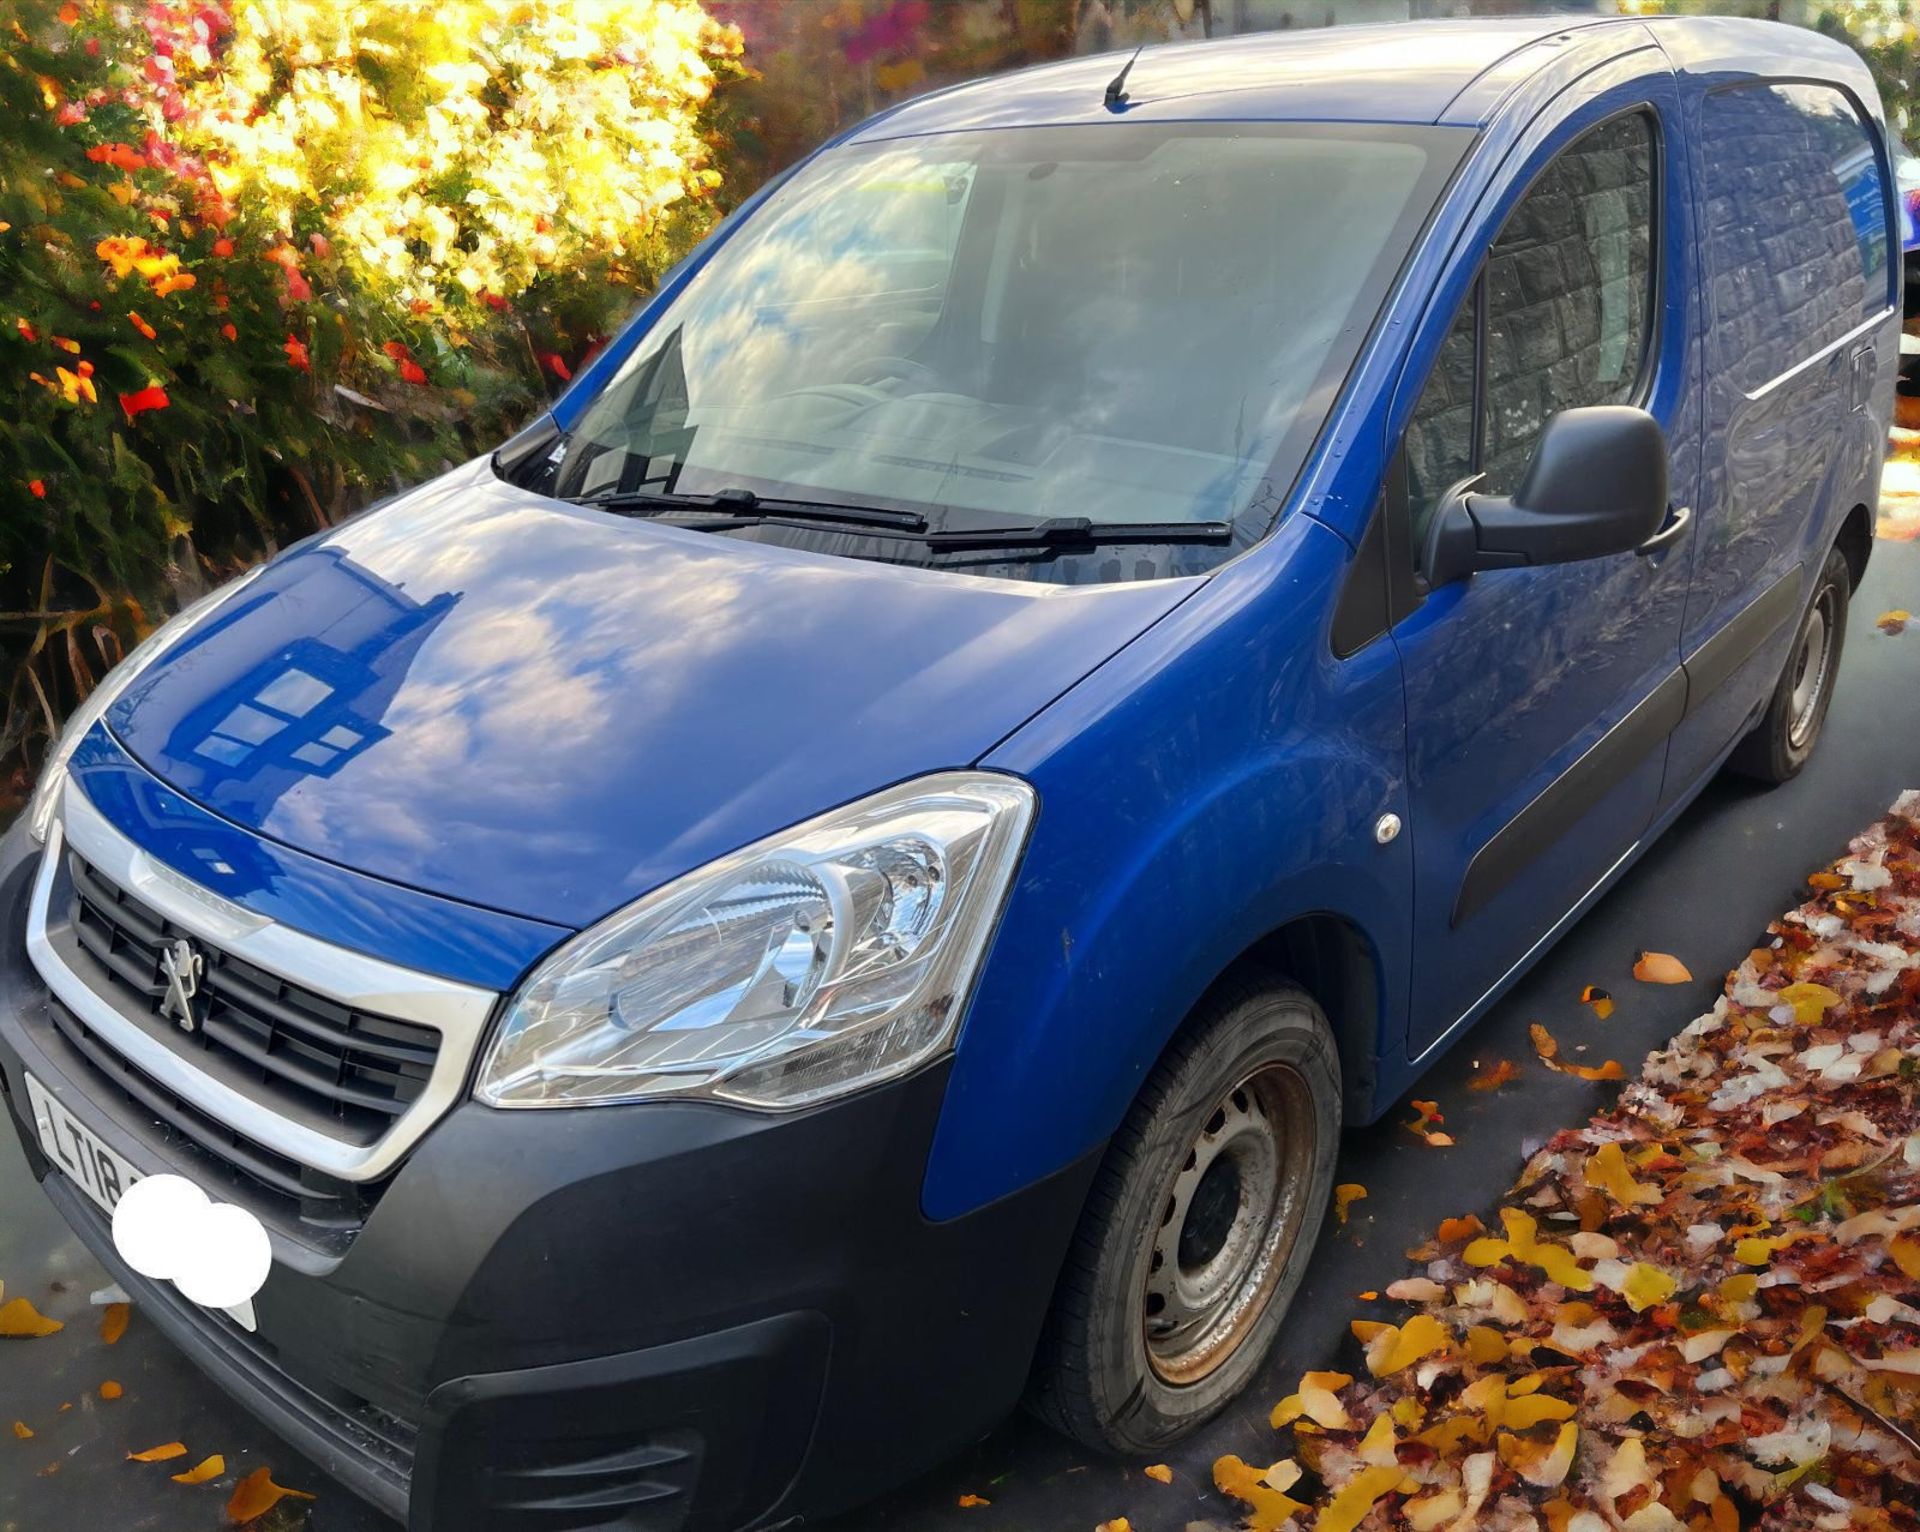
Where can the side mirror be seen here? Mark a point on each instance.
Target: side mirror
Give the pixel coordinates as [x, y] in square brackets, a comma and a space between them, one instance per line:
[1597, 485]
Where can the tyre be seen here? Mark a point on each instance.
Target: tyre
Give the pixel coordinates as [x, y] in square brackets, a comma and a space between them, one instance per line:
[1782, 742]
[1199, 1225]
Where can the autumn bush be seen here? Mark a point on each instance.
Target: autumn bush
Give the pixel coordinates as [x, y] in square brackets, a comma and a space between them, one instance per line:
[263, 260]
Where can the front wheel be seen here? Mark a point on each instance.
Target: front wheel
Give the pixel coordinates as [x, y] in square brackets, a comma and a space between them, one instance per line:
[1782, 742]
[1199, 1226]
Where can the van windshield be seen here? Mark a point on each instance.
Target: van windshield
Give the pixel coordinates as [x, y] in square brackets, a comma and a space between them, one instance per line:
[1132, 323]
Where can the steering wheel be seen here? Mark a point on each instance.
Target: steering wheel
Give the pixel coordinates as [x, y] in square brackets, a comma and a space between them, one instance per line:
[877, 368]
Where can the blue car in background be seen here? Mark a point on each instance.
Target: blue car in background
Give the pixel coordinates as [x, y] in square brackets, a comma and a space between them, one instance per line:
[853, 872]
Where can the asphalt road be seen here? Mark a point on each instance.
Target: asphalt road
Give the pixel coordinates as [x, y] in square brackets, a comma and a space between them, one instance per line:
[1705, 892]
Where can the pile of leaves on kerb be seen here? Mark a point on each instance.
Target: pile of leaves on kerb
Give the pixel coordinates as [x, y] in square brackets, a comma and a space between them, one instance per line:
[1700, 1310]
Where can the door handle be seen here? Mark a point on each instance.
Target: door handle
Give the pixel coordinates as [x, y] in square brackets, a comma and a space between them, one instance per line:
[1865, 369]
[1679, 518]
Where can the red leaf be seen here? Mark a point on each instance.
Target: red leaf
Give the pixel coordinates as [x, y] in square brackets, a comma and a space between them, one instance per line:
[152, 397]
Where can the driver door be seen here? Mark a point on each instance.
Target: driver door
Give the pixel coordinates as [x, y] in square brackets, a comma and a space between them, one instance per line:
[1540, 699]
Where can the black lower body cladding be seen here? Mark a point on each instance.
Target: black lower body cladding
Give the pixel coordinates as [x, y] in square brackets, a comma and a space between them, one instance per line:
[671, 1315]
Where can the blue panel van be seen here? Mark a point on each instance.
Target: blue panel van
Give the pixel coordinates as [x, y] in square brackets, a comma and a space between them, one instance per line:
[853, 872]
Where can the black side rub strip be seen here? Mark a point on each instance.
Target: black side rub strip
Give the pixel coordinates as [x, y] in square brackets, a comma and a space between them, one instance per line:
[1567, 799]
[1709, 666]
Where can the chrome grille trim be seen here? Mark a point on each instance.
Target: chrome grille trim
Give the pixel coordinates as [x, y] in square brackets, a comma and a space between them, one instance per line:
[458, 1012]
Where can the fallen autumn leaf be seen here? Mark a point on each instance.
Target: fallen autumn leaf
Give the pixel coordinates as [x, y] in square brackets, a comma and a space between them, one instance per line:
[257, 1494]
[20, 1320]
[1690, 1322]
[1661, 968]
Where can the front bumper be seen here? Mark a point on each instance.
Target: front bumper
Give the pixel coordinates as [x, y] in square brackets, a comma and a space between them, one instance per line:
[674, 1315]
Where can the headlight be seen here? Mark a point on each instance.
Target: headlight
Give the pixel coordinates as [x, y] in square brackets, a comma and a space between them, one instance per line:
[829, 957]
[53, 770]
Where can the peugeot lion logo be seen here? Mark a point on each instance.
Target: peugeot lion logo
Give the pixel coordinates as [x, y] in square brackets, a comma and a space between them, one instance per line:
[182, 967]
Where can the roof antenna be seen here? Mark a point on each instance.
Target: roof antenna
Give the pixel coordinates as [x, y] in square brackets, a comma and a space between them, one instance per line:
[1117, 86]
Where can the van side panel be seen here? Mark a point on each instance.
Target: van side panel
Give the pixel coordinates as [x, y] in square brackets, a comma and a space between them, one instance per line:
[1216, 779]
[1801, 353]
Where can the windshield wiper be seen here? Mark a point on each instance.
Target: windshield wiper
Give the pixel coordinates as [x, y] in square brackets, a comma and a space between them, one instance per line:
[1072, 531]
[742, 507]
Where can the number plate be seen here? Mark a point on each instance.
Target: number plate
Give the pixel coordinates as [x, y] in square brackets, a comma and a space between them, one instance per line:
[71, 1144]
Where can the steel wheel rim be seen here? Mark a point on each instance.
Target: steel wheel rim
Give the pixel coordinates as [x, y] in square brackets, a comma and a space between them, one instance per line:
[1811, 663]
[1229, 1221]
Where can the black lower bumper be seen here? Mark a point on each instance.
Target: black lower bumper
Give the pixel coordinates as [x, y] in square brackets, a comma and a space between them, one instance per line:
[673, 1315]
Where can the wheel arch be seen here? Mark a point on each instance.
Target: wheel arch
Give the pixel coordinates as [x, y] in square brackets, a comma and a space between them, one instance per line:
[1855, 542]
[1337, 963]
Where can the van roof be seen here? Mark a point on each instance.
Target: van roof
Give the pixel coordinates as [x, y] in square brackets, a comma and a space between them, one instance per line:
[1410, 72]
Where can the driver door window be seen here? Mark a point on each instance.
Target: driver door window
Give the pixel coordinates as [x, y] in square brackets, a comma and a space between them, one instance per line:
[1559, 317]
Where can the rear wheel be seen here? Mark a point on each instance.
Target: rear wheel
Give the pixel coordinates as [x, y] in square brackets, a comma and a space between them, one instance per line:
[1199, 1226]
[1782, 742]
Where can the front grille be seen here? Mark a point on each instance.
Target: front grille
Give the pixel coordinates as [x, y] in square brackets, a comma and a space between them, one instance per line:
[318, 1211]
[341, 1070]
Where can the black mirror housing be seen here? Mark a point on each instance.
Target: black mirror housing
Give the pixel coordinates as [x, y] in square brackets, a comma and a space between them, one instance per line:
[1597, 485]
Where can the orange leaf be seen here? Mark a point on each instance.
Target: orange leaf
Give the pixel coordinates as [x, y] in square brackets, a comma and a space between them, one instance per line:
[1893, 622]
[20, 1320]
[209, 1468]
[257, 1494]
[1159, 1473]
[1453, 1230]
[1599, 999]
[1118, 1524]
[1423, 1125]
[1344, 1197]
[1661, 968]
[113, 1323]
[165, 1452]
[1495, 1075]
[111, 1390]
[968, 1502]
[1549, 1050]
[22, 1430]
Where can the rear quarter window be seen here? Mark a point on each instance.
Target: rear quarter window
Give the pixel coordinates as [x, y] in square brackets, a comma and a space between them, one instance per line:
[1796, 224]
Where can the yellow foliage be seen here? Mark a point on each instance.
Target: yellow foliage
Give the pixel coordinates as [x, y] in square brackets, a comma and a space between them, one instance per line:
[1607, 1171]
[1267, 1507]
[1523, 1244]
[1400, 1346]
[463, 148]
[1645, 1286]
[1347, 1509]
